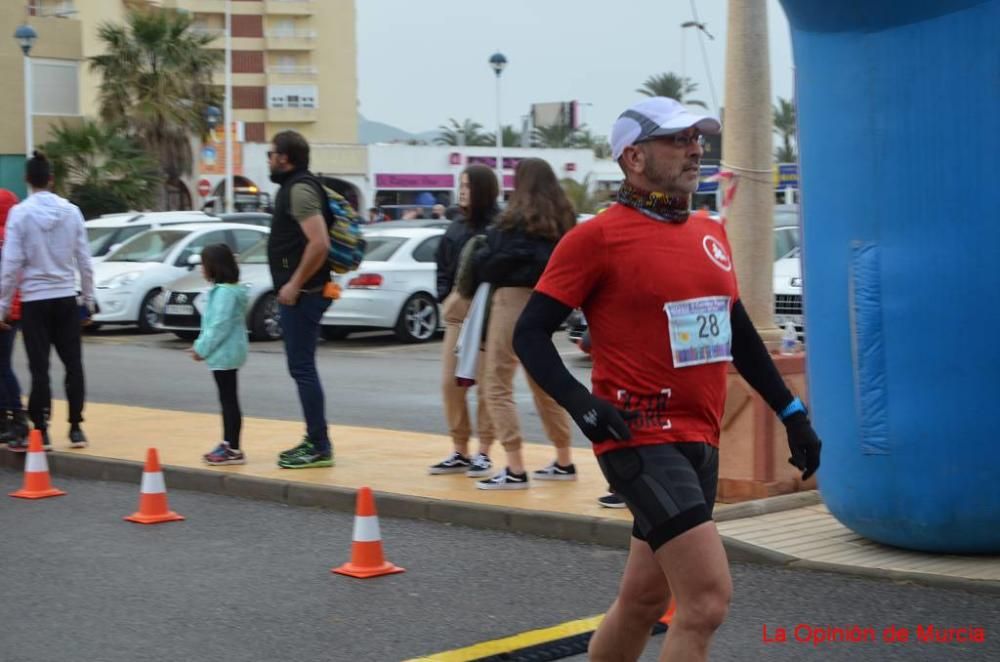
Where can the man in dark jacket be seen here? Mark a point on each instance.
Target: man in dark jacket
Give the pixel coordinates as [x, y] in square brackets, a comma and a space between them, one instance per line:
[297, 250]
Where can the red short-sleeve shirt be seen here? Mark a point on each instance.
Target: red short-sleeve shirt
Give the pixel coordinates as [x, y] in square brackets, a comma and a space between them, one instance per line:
[623, 268]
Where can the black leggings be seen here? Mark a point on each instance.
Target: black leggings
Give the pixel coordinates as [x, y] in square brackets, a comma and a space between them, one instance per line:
[232, 417]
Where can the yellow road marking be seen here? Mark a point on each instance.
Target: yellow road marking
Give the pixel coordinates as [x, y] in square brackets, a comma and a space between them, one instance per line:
[515, 642]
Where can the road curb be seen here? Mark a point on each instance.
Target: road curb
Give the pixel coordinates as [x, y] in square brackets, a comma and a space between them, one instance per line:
[574, 528]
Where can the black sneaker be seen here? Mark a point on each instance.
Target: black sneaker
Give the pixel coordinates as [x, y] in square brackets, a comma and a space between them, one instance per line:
[304, 445]
[611, 500]
[505, 480]
[453, 464]
[46, 444]
[309, 458]
[479, 466]
[17, 445]
[555, 472]
[77, 439]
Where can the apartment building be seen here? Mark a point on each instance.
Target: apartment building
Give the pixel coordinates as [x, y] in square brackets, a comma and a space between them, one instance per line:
[293, 67]
[55, 66]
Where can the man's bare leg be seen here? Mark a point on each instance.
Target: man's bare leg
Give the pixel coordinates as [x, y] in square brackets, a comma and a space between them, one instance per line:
[696, 566]
[642, 599]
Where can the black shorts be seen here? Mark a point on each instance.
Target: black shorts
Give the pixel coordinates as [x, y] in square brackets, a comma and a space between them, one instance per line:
[669, 488]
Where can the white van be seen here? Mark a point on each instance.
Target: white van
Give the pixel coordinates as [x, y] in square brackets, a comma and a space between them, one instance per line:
[106, 233]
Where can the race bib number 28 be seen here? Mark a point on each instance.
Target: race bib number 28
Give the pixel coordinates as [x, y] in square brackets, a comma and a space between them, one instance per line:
[700, 331]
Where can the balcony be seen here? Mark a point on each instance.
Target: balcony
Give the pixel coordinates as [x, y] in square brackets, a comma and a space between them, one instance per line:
[291, 73]
[290, 40]
[51, 8]
[290, 7]
[292, 115]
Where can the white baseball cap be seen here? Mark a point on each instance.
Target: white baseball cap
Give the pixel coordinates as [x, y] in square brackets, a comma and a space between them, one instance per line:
[654, 117]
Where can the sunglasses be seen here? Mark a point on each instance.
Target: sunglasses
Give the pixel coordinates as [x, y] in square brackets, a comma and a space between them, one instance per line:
[271, 153]
[678, 140]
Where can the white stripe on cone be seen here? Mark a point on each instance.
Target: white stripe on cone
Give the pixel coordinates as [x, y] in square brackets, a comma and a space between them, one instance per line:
[366, 529]
[35, 463]
[152, 483]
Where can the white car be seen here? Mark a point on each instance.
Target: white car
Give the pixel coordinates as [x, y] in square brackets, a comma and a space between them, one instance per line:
[110, 231]
[129, 279]
[182, 302]
[787, 278]
[392, 289]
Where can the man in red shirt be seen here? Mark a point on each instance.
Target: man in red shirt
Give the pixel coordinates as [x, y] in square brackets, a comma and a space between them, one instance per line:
[658, 288]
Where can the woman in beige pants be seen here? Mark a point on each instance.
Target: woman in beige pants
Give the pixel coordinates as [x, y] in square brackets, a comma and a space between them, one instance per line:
[477, 196]
[516, 252]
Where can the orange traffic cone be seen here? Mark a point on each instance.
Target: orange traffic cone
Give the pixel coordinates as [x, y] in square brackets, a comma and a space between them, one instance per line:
[367, 559]
[36, 472]
[153, 507]
[669, 616]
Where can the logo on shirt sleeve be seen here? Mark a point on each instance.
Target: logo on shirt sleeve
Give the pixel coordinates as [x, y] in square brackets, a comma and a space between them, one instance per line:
[717, 253]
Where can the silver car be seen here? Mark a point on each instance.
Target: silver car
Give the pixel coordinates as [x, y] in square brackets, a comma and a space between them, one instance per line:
[183, 300]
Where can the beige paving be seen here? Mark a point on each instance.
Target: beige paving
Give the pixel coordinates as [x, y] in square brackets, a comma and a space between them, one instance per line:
[388, 461]
[811, 533]
[395, 462]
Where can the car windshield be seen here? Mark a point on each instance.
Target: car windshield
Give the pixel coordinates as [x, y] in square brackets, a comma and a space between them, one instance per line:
[256, 254]
[380, 249]
[97, 239]
[151, 246]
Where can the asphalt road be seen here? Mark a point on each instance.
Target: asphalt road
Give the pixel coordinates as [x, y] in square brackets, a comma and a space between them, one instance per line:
[369, 380]
[249, 581]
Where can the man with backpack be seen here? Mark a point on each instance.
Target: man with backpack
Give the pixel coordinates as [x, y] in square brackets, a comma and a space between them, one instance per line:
[297, 253]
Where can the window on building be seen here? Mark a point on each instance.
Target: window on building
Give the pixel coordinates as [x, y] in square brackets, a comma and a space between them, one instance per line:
[55, 87]
[292, 96]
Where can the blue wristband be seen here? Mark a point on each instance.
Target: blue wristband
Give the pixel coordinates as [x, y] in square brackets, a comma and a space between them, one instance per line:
[793, 407]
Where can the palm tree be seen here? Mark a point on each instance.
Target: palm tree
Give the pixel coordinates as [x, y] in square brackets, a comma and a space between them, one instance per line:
[784, 126]
[101, 169]
[584, 138]
[156, 82]
[555, 135]
[578, 194]
[465, 133]
[511, 137]
[671, 85]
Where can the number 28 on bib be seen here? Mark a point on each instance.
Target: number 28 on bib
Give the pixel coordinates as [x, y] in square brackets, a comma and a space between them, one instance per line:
[700, 331]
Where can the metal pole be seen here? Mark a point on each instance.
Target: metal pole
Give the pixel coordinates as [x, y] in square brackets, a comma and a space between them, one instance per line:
[228, 110]
[499, 141]
[29, 124]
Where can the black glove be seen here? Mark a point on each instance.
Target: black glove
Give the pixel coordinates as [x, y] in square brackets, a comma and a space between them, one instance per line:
[597, 419]
[804, 444]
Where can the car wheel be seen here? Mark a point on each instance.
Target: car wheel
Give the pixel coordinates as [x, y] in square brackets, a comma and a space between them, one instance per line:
[418, 320]
[187, 335]
[335, 332]
[265, 323]
[148, 316]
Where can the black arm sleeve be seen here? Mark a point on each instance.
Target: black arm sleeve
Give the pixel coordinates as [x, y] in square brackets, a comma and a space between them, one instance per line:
[754, 363]
[538, 354]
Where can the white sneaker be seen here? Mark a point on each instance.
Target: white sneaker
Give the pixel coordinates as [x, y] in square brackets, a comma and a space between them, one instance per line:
[505, 480]
[479, 466]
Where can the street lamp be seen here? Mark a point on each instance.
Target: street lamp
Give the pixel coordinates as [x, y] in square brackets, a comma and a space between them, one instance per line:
[26, 37]
[227, 111]
[498, 62]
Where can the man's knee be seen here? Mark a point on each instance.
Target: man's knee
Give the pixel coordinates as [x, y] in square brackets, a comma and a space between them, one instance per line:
[645, 605]
[707, 610]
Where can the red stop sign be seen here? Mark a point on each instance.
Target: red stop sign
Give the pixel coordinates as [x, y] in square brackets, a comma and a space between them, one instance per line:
[204, 187]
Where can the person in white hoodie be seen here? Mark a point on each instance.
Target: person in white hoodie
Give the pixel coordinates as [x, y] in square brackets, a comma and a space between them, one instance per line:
[46, 243]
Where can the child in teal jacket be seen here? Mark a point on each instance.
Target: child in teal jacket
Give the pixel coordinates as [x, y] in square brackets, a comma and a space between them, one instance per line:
[222, 344]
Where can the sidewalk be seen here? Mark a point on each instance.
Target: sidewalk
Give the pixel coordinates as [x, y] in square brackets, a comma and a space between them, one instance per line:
[794, 530]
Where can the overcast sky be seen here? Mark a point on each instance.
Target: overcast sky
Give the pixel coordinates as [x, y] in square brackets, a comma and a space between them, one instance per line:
[421, 62]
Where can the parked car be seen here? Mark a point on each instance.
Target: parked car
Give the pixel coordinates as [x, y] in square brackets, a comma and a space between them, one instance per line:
[108, 232]
[181, 303]
[131, 276]
[787, 279]
[248, 217]
[392, 289]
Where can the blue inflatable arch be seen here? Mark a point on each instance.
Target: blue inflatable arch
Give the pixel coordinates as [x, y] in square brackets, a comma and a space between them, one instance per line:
[899, 136]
